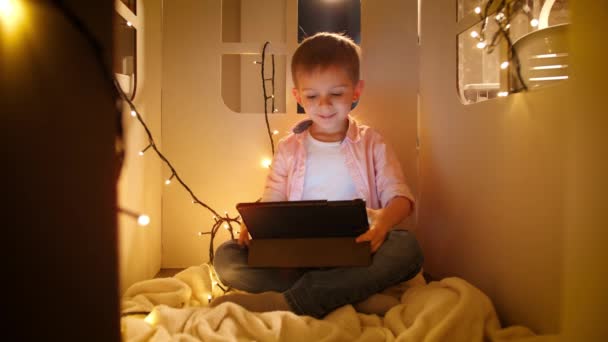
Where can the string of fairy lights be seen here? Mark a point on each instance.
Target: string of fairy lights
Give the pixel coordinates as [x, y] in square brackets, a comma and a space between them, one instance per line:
[502, 13]
[226, 221]
[268, 97]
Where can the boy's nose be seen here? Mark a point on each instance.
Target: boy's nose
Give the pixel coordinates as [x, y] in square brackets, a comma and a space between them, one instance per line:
[324, 101]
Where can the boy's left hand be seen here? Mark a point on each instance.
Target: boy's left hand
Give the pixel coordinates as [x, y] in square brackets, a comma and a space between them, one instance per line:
[376, 233]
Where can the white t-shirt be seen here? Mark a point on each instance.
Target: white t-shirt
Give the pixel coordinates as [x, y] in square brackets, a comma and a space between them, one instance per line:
[326, 174]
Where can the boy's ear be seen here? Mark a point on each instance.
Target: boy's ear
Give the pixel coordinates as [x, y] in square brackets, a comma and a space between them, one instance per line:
[358, 89]
[296, 94]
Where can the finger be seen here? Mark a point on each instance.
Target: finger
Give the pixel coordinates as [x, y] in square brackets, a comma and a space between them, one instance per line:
[363, 237]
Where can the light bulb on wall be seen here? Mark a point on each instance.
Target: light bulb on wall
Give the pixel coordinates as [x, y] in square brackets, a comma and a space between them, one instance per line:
[534, 22]
[266, 162]
[481, 45]
[474, 34]
[143, 220]
[504, 65]
[477, 9]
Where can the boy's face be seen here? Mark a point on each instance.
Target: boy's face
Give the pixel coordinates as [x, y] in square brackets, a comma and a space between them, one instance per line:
[327, 95]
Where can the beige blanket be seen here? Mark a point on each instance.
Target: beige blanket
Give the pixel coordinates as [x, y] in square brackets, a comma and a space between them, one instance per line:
[446, 310]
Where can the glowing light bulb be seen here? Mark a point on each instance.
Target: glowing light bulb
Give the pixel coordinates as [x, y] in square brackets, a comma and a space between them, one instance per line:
[276, 110]
[129, 24]
[275, 132]
[143, 220]
[481, 45]
[141, 153]
[167, 182]
[266, 162]
[226, 226]
[151, 318]
[477, 9]
[209, 297]
[534, 22]
[200, 234]
[503, 93]
[500, 16]
[504, 65]
[474, 34]
[133, 113]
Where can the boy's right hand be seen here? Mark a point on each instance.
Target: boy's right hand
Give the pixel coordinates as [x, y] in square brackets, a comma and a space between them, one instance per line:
[244, 235]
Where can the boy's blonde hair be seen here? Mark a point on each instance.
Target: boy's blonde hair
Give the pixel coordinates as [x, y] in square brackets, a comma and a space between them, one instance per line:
[326, 49]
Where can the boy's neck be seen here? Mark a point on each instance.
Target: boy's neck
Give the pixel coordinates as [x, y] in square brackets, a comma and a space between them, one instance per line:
[328, 136]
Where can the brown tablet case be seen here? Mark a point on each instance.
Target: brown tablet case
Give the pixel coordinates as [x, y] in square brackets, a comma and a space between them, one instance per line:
[306, 233]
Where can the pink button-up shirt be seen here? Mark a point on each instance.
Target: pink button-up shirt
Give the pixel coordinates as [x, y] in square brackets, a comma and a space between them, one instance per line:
[371, 163]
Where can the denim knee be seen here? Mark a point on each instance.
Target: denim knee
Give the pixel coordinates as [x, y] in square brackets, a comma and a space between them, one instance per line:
[227, 260]
[401, 254]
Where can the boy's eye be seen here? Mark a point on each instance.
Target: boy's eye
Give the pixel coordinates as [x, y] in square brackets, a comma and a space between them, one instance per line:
[310, 97]
[337, 94]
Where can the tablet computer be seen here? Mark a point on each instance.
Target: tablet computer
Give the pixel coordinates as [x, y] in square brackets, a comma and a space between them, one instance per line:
[304, 219]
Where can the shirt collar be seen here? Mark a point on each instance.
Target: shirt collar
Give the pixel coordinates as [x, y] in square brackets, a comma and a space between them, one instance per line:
[352, 133]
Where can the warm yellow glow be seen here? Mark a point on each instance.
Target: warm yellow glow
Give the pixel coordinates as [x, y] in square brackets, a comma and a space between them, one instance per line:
[209, 297]
[504, 65]
[266, 162]
[503, 93]
[275, 132]
[143, 220]
[133, 113]
[129, 24]
[474, 34]
[548, 55]
[167, 182]
[477, 9]
[11, 13]
[6, 7]
[481, 45]
[534, 22]
[141, 153]
[226, 226]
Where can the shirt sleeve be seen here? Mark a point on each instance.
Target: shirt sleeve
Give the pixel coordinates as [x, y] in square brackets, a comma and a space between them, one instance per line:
[275, 188]
[390, 181]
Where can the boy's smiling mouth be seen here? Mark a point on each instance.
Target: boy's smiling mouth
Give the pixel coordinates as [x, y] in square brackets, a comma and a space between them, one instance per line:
[326, 116]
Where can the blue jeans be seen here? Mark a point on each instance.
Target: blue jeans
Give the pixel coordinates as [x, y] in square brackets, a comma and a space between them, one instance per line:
[317, 291]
